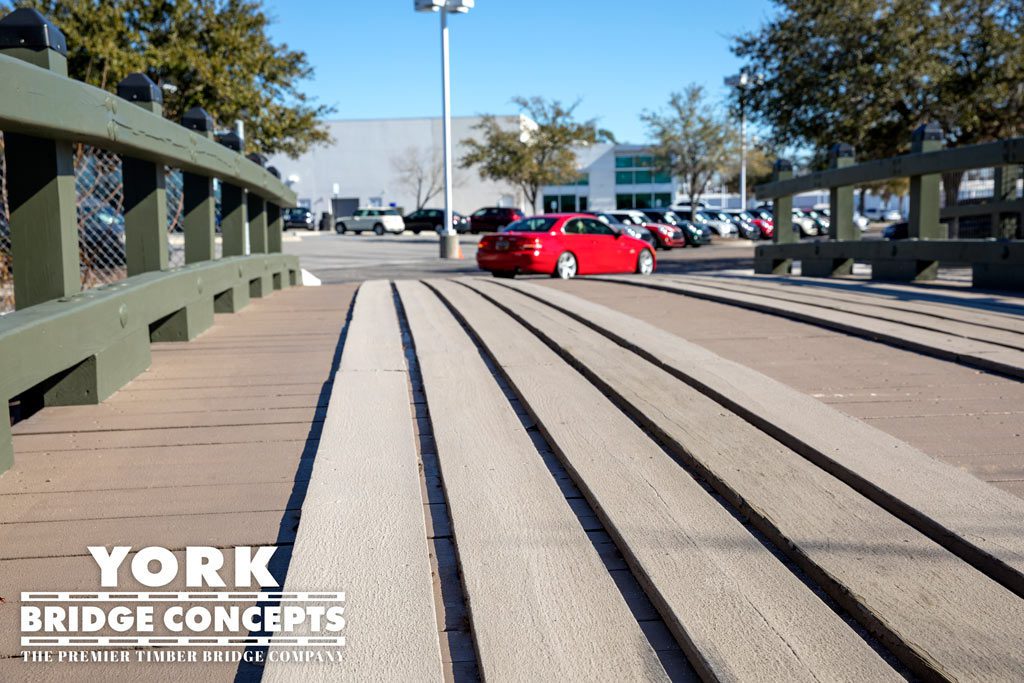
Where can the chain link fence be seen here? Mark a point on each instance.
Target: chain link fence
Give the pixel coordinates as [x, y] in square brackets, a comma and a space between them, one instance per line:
[100, 209]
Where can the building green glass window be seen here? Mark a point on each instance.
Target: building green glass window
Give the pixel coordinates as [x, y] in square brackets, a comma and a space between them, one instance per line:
[644, 161]
[662, 178]
[623, 201]
[550, 203]
[568, 203]
[623, 177]
[583, 203]
[643, 177]
[584, 179]
[642, 201]
[623, 162]
[662, 199]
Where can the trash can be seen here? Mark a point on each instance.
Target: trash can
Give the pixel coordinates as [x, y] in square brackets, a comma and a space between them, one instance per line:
[326, 221]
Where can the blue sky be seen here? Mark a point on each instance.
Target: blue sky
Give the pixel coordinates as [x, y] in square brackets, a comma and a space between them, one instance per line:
[380, 59]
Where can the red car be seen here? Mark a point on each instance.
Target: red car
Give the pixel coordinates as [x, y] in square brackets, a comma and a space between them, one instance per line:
[563, 245]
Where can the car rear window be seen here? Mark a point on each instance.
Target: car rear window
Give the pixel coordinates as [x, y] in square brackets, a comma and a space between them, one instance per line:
[531, 225]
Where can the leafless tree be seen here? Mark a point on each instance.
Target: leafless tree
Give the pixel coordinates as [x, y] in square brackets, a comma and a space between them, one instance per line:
[419, 170]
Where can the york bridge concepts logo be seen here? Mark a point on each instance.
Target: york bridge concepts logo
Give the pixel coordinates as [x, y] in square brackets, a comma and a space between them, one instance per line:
[69, 626]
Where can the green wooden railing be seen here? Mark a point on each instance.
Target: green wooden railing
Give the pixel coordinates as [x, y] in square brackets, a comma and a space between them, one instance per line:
[64, 346]
[995, 263]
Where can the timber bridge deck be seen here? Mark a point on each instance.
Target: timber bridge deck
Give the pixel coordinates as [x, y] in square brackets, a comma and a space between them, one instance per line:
[717, 476]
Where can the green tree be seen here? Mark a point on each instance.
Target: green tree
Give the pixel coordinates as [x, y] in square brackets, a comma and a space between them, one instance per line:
[215, 54]
[537, 155]
[870, 71]
[692, 140]
[761, 157]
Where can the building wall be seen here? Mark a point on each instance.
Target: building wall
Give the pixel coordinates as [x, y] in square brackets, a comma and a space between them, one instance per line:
[360, 163]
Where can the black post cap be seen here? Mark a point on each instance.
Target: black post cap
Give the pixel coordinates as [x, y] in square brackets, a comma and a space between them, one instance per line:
[27, 28]
[196, 118]
[928, 131]
[840, 150]
[257, 158]
[230, 140]
[272, 170]
[782, 165]
[139, 88]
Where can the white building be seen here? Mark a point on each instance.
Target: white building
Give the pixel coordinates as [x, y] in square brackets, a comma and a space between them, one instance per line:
[362, 166]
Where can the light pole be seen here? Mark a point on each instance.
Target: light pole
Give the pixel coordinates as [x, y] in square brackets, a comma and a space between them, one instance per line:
[743, 80]
[449, 238]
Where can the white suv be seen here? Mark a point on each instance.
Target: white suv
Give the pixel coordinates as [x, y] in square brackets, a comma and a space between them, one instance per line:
[379, 221]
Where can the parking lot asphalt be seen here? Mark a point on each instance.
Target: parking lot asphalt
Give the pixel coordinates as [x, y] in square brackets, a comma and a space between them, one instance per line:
[353, 258]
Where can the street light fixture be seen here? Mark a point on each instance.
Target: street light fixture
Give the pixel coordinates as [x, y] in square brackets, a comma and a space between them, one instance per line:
[449, 238]
[742, 81]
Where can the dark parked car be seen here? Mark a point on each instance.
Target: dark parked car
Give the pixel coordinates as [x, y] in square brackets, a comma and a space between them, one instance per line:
[101, 234]
[431, 220]
[896, 231]
[637, 231]
[298, 217]
[493, 218]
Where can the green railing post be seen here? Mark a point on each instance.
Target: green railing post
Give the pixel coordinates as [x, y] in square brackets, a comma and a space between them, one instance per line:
[275, 224]
[1005, 225]
[924, 190]
[145, 196]
[841, 226]
[782, 215]
[256, 209]
[40, 178]
[232, 207]
[200, 209]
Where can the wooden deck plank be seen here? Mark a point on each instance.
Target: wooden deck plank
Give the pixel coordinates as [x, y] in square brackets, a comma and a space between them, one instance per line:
[173, 436]
[540, 597]
[363, 529]
[154, 466]
[939, 614]
[953, 507]
[739, 613]
[104, 420]
[966, 351]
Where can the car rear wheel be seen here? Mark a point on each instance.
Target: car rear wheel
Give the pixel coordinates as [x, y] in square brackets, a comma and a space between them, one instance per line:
[645, 263]
[340, 228]
[378, 229]
[566, 266]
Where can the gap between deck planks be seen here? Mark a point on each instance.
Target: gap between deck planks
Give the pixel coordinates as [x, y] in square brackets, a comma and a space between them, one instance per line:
[540, 598]
[738, 612]
[999, 336]
[973, 311]
[979, 354]
[941, 616]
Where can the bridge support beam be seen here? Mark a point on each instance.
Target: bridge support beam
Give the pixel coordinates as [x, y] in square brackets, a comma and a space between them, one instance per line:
[97, 377]
[231, 300]
[185, 324]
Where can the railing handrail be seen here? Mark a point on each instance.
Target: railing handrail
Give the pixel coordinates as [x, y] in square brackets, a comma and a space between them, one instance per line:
[36, 101]
[985, 155]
